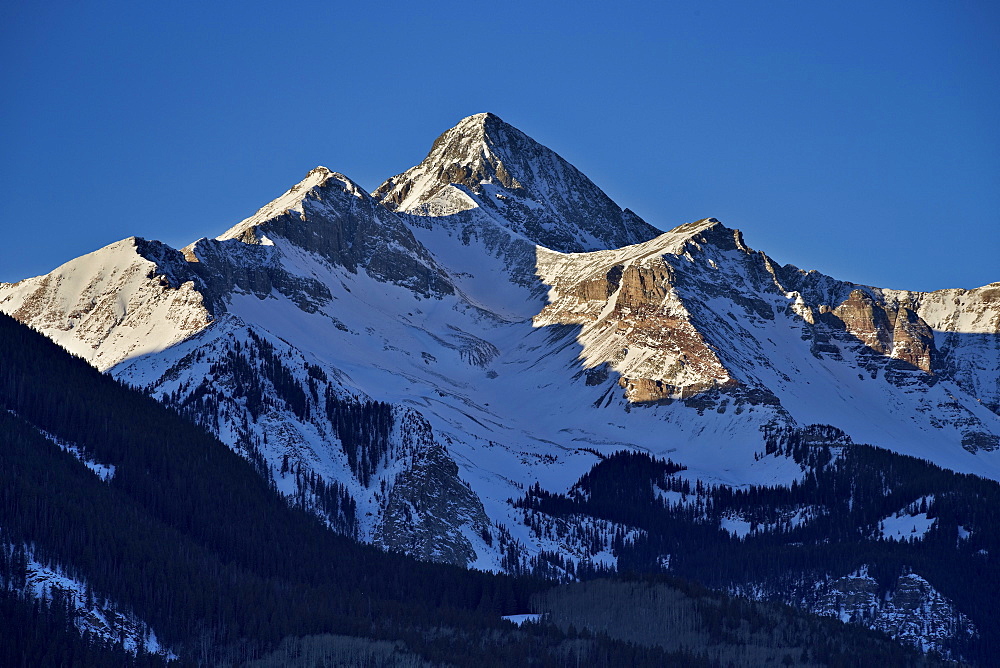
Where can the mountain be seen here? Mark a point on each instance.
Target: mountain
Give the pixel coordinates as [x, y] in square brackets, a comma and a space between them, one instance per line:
[487, 189]
[697, 315]
[462, 354]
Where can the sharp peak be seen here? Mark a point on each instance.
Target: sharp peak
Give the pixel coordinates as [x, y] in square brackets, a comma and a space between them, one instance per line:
[321, 176]
[479, 148]
[483, 130]
[483, 119]
[711, 230]
[488, 147]
[483, 150]
[690, 229]
[291, 201]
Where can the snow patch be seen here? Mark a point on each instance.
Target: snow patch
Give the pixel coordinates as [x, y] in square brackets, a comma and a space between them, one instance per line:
[532, 618]
[94, 614]
[910, 523]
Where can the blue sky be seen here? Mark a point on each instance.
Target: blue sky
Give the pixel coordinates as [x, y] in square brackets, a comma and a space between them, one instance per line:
[860, 139]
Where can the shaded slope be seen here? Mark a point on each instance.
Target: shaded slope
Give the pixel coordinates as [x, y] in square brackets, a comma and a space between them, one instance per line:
[330, 216]
[826, 543]
[186, 533]
[673, 614]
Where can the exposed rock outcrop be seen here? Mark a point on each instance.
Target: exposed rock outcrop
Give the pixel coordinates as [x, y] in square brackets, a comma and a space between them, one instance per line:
[913, 611]
[487, 164]
[430, 511]
[632, 318]
[331, 216]
[888, 329]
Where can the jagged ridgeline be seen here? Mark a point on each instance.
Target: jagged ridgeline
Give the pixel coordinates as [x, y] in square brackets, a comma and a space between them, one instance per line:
[436, 367]
[190, 545]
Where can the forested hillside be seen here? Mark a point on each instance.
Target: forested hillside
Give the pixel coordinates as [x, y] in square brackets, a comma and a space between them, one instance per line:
[197, 548]
[864, 527]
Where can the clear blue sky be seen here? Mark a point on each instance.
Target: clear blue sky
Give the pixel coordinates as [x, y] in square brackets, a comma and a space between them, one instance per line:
[858, 138]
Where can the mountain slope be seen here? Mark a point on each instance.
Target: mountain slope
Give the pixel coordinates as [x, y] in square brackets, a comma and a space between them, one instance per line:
[187, 536]
[131, 298]
[185, 533]
[697, 315]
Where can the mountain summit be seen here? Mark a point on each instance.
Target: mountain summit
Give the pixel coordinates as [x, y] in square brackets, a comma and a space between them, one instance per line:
[487, 163]
[331, 216]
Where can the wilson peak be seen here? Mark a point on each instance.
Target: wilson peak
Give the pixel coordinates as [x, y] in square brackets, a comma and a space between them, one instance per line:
[488, 164]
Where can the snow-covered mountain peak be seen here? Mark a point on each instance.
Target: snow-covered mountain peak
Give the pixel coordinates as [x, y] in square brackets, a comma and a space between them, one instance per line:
[479, 150]
[488, 165]
[707, 231]
[328, 218]
[130, 298]
[291, 202]
[477, 126]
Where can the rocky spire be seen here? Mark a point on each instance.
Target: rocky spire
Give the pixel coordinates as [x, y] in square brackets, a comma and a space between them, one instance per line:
[497, 167]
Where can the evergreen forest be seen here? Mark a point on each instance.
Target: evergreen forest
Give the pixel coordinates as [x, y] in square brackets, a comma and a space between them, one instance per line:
[192, 543]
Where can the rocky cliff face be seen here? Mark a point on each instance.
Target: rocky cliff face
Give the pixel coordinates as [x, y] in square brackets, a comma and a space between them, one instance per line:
[912, 610]
[432, 514]
[897, 332]
[965, 324]
[485, 163]
[908, 609]
[632, 317]
[696, 315]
